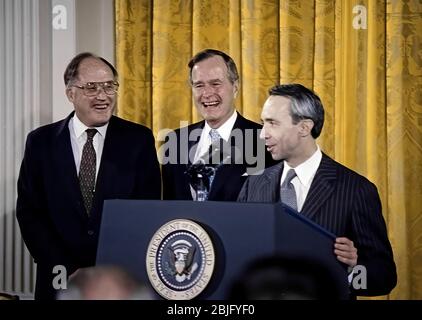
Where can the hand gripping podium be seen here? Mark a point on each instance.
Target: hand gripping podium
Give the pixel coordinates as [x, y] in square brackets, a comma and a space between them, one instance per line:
[132, 236]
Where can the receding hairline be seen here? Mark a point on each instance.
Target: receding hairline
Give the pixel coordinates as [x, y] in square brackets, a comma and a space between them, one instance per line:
[97, 59]
[72, 69]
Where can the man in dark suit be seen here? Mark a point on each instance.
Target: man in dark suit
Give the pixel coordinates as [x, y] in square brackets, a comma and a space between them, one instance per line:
[337, 198]
[70, 167]
[215, 84]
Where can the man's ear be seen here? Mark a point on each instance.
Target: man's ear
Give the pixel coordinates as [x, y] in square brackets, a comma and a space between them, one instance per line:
[236, 88]
[305, 127]
[70, 94]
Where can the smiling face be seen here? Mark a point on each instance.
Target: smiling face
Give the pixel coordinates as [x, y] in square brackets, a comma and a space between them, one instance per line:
[284, 139]
[212, 90]
[93, 111]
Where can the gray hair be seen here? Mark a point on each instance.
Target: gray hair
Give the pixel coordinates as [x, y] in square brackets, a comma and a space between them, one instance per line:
[232, 72]
[305, 104]
[72, 71]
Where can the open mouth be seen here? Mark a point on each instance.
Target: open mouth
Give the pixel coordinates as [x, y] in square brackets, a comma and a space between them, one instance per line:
[210, 104]
[270, 148]
[101, 107]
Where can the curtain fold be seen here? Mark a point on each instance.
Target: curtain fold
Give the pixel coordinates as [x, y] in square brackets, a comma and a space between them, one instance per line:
[134, 52]
[363, 60]
[260, 54]
[404, 141]
[210, 22]
[324, 67]
[172, 43]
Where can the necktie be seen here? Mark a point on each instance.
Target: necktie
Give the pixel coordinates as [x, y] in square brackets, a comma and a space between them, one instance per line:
[214, 135]
[215, 138]
[87, 170]
[287, 190]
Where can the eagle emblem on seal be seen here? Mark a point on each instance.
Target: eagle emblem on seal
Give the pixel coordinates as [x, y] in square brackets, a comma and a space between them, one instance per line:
[181, 256]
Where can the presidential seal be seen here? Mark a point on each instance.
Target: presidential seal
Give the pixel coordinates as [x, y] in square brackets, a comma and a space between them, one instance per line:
[180, 260]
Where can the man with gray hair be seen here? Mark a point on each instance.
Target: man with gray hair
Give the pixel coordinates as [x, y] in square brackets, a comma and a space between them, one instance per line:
[313, 184]
[71, 166]
[199, 171]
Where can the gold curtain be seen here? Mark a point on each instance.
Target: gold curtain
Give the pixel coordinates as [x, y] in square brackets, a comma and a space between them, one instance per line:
[363, 58]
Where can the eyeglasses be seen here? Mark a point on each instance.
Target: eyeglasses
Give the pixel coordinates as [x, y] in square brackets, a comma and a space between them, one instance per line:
[93, 88]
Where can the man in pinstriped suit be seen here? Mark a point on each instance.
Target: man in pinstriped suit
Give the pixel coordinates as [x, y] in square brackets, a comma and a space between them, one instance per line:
[330, 194]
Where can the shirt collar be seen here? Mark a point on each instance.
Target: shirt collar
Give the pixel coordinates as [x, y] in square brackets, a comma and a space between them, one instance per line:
[225, 129]
[80, 128]
[306, 170]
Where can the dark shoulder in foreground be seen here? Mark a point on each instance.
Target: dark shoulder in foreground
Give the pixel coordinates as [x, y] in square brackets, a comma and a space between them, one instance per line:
[247, 123]
[194, 126]
[127, 125]
[241, 122]
[327, 164]
[344, 172]
[48, 132]
[48, 128]
[52, 129]
[267, 173]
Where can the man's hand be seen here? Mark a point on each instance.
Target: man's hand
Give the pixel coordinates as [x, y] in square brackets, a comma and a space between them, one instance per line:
[346, 251]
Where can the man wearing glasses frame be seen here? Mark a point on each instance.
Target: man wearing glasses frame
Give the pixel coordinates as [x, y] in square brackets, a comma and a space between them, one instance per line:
[70, 167]
[92, 89]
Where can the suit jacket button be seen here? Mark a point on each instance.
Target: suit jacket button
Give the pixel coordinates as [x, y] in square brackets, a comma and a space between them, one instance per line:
[90, 232]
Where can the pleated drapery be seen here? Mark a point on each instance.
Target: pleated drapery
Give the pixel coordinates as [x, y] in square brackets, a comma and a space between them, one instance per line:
[362, 58]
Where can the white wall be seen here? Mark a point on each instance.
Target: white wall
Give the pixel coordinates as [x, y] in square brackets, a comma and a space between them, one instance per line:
[89, 27]
[95, 27]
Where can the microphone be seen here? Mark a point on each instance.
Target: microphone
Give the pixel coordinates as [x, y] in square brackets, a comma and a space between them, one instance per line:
[200, 172]
[218, 154]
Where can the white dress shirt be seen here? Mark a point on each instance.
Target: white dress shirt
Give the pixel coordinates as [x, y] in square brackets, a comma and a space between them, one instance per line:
[78, 139]
[205, 140]
[305, 173]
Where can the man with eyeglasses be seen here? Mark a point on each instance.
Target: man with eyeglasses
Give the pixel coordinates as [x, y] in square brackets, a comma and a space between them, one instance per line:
[70, 167]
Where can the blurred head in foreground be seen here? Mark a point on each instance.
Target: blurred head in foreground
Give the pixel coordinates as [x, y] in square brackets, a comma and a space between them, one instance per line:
[280, 278]
[104, 283]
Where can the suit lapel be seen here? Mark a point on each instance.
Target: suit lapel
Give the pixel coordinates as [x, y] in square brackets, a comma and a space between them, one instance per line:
[195, 132]
[239, 123]
[64, 168]
[107, 172]
[321, 188]
[272, 176]
[224, 173]
[194, 135]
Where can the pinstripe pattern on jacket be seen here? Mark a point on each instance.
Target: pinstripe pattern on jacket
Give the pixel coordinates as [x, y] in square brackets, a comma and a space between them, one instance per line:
[348, 205]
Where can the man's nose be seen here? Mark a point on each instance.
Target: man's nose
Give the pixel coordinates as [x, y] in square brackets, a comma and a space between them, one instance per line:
[101, 95]
[262, 134]
[208, 90]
